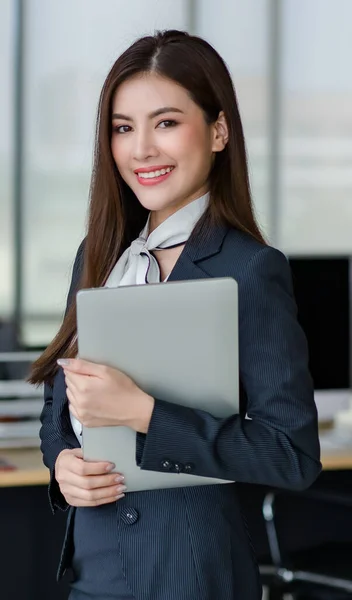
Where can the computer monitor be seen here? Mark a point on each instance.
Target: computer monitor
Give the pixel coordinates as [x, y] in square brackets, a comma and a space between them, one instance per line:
[322, 287]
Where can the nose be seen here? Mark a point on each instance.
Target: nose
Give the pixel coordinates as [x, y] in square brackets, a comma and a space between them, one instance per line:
[144, 145]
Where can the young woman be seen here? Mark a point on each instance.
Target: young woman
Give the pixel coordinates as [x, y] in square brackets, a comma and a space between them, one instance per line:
[170, 200]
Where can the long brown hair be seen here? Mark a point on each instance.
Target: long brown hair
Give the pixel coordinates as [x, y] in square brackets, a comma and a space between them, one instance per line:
[115, 215]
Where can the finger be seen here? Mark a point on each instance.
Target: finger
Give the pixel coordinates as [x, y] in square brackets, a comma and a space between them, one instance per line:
[77, 385]
[71, 461]
[78, 453]
[67, 456]
[78, 365]
[70, 396]
[91, 495]
[81, 384]
[85, 503]
[92, 482]
[72, 403]
[72, 410]
[83, 467]
[71, 379]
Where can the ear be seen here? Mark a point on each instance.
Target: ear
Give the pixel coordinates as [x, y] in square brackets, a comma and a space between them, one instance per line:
[220, 133]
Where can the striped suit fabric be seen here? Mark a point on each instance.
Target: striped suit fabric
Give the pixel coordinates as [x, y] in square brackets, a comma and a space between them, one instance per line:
[192, 543]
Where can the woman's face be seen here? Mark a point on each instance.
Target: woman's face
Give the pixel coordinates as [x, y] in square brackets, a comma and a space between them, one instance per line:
[161, 143]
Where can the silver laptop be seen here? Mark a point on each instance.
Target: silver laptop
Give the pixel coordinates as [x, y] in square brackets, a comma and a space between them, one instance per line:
[179, 342]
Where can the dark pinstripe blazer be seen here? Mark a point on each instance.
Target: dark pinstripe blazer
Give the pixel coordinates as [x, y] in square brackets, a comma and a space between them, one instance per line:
[193, 540]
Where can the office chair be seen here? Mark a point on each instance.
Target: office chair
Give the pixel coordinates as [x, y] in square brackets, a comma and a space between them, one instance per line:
[305, 574]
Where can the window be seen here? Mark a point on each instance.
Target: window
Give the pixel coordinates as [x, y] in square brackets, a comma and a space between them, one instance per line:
[316, 145]
[239, 32]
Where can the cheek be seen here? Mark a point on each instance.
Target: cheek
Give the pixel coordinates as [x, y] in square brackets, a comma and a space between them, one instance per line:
[119, 153]
[194, 147]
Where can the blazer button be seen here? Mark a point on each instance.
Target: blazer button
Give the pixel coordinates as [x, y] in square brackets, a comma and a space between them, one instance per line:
[129, 515]
[166, 464]
[189, 468]
[178, 467]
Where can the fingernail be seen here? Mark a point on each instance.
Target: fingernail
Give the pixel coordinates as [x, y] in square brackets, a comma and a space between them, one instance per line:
[120, 478]
[110, 467]
[63, 362]
[120, 496]
[121, 488]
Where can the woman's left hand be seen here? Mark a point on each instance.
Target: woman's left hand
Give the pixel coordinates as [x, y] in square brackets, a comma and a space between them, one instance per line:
[101, 396]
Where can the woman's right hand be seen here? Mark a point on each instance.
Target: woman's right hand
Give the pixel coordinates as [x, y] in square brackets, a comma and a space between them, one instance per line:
[87, 483]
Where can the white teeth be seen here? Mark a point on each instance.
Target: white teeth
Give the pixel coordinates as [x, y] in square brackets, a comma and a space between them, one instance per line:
[157, 173]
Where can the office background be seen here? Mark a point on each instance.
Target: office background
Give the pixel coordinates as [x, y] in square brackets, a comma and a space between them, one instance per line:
[290, 61]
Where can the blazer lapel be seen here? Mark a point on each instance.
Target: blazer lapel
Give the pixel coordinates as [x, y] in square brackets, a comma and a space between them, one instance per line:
[185, 268]
[195, 251]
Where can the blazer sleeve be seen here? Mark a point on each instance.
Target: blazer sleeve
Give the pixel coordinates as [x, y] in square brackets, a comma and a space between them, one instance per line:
[277, 444]
[51, 442]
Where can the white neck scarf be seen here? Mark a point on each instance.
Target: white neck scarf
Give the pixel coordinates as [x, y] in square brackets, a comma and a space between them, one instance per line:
[137, 265]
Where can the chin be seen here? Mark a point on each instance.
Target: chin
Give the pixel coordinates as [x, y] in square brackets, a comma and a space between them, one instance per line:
[151, 201]
[155, 206]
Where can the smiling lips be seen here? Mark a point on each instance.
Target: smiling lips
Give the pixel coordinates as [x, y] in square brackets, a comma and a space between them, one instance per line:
[153, 175]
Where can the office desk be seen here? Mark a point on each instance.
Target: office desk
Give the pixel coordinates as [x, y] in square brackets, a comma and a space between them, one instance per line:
[337, 460]
[30, 469]
[336, 444]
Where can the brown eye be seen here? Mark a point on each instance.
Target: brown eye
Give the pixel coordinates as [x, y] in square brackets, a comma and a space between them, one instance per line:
[121, 128]
[167, 124]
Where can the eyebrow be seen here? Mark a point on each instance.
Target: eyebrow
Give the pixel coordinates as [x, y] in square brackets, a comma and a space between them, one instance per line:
[152, 115]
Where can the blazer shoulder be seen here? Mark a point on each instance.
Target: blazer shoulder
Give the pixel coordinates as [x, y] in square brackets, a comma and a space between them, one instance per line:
[240, 250]
[243, 242]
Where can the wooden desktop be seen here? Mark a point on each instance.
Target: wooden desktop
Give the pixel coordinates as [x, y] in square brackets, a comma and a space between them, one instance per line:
[29, 468]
